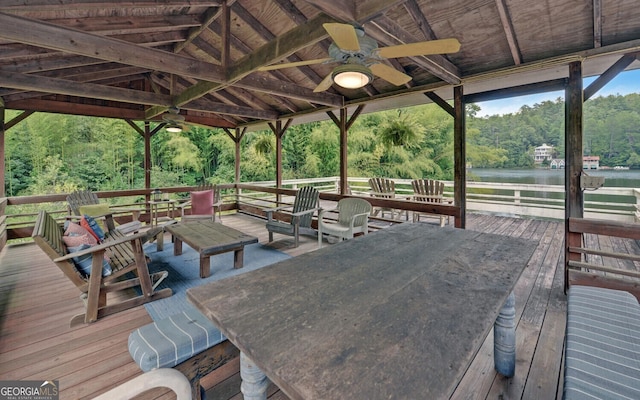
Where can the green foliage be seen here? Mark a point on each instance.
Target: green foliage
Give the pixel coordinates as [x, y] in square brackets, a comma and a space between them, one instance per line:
[51, 153]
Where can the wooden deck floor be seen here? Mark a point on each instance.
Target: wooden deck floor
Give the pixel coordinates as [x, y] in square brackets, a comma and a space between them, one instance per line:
[37, 302]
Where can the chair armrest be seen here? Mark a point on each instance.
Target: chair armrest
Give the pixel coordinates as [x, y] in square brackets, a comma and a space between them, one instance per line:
[353, 218]
[322, 211]
[301, 213]
[106, 245]
[270, 211]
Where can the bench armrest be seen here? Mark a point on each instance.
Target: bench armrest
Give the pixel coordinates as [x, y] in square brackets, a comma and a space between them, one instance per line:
[106, 245]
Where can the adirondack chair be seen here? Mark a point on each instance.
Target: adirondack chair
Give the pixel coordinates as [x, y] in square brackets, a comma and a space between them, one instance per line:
[86, 202]
[124, 254]
[353, 217]
[297, 221]
[383, 188]
[203, 203]
[428, 191]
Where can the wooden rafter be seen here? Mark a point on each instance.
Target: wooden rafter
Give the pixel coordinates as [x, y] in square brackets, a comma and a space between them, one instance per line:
[509, 32]
[597, 23]
[54, 37]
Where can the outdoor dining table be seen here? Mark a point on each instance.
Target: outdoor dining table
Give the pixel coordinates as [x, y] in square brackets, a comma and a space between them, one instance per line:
[399, 313]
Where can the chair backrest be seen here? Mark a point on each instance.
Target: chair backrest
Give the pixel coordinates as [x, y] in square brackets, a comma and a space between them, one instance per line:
[350, 206]
[47, 234]
[428, 190]
[81, 198]
[202, 202]
[307, 198]
[382, 187]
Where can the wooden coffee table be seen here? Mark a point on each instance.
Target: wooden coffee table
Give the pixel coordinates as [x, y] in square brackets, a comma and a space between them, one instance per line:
[210, 238]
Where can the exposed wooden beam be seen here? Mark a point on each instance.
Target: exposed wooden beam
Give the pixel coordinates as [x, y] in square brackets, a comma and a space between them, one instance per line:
[269, 36]
[342, 10]
[210, 15]
[89, 90]
[366, 10]
[523, 90]
[220, 108]
[418, 17]
[507, 26]
[281, 47]
[278, 88]
[17, 119]
[43, 34]
[597, 23]
[88, 110]
[55, 5]
[609, 74]
[441, 102]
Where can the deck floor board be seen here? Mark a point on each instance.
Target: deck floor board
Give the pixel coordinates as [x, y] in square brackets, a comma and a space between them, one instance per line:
[37, 302]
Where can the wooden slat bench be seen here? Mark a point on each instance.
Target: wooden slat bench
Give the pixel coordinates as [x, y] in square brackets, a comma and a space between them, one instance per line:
[187, 341]
[602, 354]
[125, 255]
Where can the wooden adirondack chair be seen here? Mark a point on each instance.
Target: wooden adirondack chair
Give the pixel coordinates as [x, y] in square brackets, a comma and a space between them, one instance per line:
[298, 221]
[428, 191]
[353, 217]
[125, 255]
[86, 202]
[383, 188]
[204, 202]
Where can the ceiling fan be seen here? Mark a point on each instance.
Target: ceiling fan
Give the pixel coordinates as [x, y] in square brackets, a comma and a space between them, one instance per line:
[360, 58]
[174, 121]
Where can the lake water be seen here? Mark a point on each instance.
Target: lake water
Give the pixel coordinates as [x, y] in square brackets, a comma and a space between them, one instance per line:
[613, 178]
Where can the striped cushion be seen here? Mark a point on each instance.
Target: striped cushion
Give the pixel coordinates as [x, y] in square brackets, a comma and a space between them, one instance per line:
[170, 341]
[602, 356]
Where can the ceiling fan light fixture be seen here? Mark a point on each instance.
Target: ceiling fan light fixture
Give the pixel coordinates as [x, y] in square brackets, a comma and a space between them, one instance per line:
[351, 76]
[173, 128]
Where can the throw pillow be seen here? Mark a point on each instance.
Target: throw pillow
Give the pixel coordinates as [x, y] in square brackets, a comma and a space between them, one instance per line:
[92, 226]
[75, 235]
[202, 202]
[83, 262]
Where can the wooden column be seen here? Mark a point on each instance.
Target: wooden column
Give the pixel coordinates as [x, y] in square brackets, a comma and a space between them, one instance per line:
[344, 147]
[2, 152]
[574, 199]
[460, 156]
[237, 138]
[147, 155]
[344, 123]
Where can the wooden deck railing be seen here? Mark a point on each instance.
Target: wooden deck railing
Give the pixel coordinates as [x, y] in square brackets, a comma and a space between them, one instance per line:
[611, 270]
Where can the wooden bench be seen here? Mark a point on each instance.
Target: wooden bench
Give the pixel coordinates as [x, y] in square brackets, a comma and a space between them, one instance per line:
[125, 255]
[602, 352]
[187, 341]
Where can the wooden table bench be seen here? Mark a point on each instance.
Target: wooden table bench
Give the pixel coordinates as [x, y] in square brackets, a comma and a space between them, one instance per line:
[210, 238]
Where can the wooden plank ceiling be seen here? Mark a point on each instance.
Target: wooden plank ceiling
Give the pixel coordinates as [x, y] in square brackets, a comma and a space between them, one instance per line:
[134, 59]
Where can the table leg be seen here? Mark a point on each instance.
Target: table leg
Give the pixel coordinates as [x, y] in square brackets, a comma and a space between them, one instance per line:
[177, 246]
[205, 266]
[238, 258]
[504, 339]
[254, 381]
[160, 241]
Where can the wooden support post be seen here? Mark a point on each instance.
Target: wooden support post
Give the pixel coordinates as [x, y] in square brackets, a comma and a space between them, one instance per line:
[2, 152]
[460, 156]
[574, 198]
[344, 123]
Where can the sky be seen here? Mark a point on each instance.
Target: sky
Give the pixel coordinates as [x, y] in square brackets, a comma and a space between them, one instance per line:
[625, 83]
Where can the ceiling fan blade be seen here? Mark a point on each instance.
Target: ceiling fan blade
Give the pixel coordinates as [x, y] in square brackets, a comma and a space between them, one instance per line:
[294, 64]
[390, 74]
[441, 46]
[324, 85]
[343, 35]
